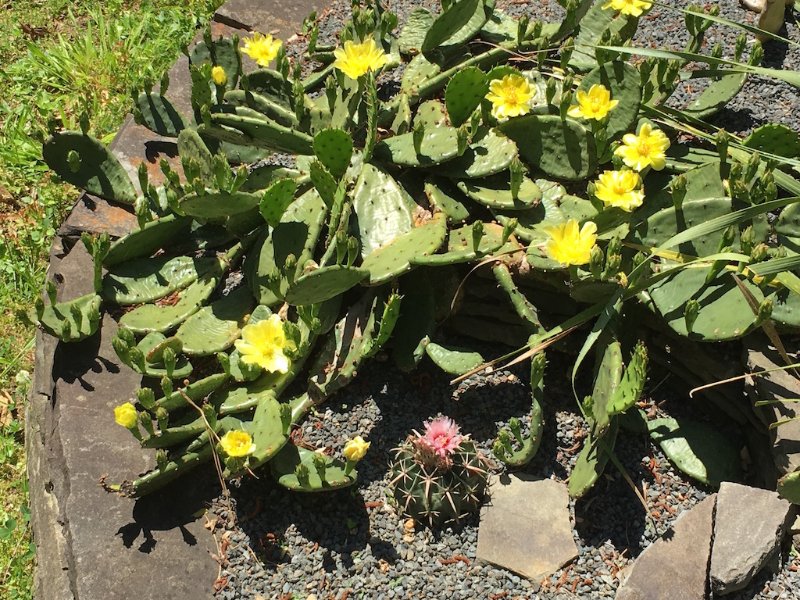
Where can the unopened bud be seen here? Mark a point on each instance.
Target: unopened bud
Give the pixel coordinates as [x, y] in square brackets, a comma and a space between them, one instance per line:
[690, 312]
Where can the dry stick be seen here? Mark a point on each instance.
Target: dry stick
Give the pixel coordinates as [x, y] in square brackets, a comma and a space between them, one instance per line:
[739, 377]
[768, 326]
[213, 439]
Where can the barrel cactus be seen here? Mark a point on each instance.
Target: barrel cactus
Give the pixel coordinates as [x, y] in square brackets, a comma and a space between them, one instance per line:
[438, 476]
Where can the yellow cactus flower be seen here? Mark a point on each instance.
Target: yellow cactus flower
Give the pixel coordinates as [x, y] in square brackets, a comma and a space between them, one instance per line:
[126, 415]
[356, 60]
[263, 344]
[262, 48]
[620, 189]
[237, 443]
[633, 8]
[356, 449]
[510, 97]
[594, 104]
[219, 75]
[645, 149]
[570, 245]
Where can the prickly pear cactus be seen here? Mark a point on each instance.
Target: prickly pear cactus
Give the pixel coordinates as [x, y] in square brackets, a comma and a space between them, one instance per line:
[525, 182]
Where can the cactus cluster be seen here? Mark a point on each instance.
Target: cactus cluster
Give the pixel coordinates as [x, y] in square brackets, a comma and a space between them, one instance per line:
[488, 155]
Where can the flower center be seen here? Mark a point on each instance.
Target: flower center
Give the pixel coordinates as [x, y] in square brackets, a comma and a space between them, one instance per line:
[643, 148]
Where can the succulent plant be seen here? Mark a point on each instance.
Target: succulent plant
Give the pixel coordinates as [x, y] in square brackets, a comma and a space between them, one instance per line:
[373, 238]
[438, 476]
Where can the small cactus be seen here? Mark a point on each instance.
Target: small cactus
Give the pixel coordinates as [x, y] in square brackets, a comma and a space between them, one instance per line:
[438, 476]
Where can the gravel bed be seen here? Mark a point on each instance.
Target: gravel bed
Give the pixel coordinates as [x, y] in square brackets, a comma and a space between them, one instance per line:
[352, 544]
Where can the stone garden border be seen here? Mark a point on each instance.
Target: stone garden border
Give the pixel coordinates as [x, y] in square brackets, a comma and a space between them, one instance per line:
[94, 545]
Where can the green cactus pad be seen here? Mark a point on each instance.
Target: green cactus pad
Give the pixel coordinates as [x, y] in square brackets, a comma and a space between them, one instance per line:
[724, 312]
[383, 209]
[147, 240]
[334, 149]
[630, 387]
[597, 21]
[625, 85]
[445, 197]
[323, 181]
[591, 462]
[217, 204]
[195, 154]
[495, 192]
[152, 345]
[276, 199]
[271, 85]
[529, 221]
[608, 375]
[461, 247]
[154, 317]
[563, 149]
[266, 106]
[173, 436]
[500, 27]
[714, 98]
[215, 327]
[414, 31]
[430, 114]
[196, 392]
[774, 138]
[664, 224]
[260, 132]
[325, 283]
[394, 259]
[222, 53]
[270, 431]
[489, 155]
[464, 93]
[72, 321]
[261, 177]
[457, 25]
[158, 114]
[439, 144]
[789, 487]
[453, 361]
[145, 280]
[697, 449]
[786, 308]
[93, 169]
[284, 470]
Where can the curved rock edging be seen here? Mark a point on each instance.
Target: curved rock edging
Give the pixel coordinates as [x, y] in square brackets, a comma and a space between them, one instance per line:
[92, 544]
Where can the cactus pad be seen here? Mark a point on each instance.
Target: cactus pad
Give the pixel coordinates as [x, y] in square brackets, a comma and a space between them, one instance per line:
[325, 283]
[464, 93]
[495, 192]
[215, 327]
[84, 162]
[491, 154]
[308, 478]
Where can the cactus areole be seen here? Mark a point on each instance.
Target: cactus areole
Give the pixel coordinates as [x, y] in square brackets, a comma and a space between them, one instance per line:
[522, 183]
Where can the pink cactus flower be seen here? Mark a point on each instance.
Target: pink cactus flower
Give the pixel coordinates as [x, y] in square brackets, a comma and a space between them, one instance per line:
[441, 436]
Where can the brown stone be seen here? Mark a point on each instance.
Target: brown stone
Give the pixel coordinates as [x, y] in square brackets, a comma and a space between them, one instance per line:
[676, 565]
[525, 527]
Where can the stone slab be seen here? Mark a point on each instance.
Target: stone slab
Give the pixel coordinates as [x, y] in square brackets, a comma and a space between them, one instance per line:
[749, 526]
[675, 565]
[525, 527]
[777, 385]
[93, 544]
[278, 17]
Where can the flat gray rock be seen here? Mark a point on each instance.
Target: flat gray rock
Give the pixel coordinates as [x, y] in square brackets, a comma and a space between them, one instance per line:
[777, 385]
[525, 527]
[676, 565]
[749, 526]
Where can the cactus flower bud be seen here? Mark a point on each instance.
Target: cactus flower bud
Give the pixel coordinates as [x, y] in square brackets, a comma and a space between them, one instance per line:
[355, 449]
[723, 139]
[759, 253]
[690, 312]
[218, 75]
[499, 450]
[477, 234]
[301, 472]
[764, 310]
[747, 239]
[516, 428]
[320, 464]
[597, 261]
[161, 458]
[146, 398]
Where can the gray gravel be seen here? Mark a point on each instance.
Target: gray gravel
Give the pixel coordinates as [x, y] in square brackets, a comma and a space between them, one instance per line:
[352, 544]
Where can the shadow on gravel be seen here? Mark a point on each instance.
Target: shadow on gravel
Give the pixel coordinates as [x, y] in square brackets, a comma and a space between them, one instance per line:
[335, 521]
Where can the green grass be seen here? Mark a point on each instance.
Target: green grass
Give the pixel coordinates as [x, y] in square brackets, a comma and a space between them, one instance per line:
[60, 58]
